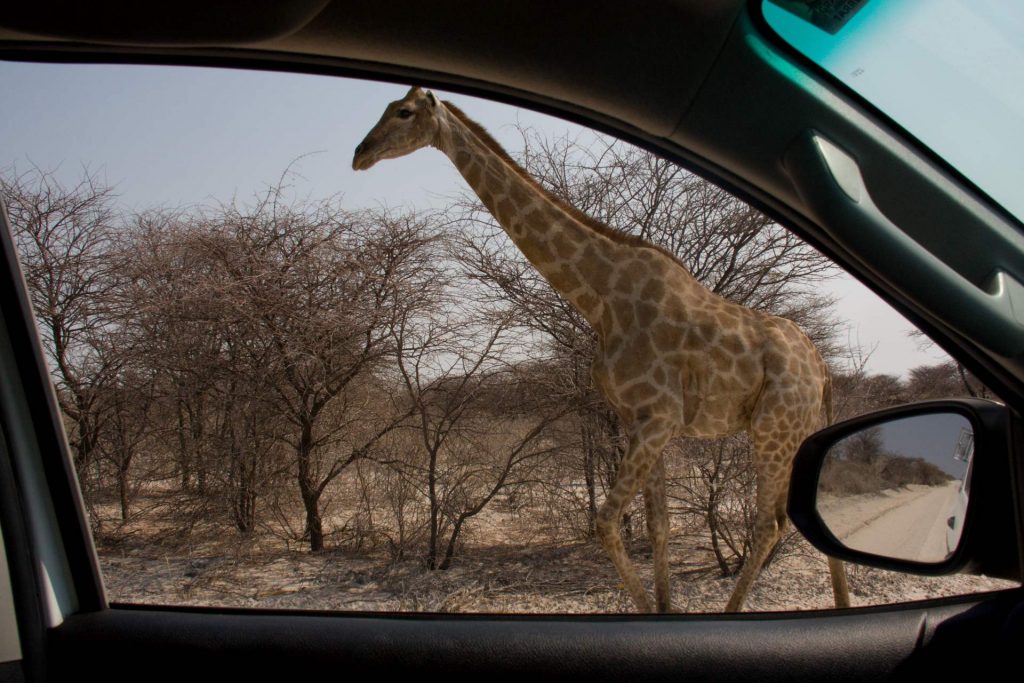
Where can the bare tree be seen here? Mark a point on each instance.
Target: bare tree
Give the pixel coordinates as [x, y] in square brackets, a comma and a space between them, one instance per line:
[966, 385]
[226, 438]
[129, 400]
[64, 238]
[472, 445]
[948, 379]
[316, 291]
[183, 335]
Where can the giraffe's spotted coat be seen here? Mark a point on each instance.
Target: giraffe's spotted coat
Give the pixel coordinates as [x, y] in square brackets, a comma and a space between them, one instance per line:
[673, 358]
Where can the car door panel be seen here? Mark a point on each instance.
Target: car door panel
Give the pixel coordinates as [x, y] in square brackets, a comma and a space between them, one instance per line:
[873, 643]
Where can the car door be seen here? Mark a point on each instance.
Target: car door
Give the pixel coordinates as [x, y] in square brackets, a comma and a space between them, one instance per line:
[67, 629]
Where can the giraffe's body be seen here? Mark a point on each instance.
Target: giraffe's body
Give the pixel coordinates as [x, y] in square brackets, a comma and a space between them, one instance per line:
[673, 358]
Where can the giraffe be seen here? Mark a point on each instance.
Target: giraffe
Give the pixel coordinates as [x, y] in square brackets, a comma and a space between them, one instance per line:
[673, 358]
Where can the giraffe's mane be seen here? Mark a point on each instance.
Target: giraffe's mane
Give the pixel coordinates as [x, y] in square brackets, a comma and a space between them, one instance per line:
[597, 226]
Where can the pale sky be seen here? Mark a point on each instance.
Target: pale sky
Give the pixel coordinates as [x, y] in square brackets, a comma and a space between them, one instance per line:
[178, 137]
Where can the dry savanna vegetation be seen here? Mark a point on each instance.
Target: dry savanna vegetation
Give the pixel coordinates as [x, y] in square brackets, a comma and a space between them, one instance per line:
[291, 403]
[860, 464]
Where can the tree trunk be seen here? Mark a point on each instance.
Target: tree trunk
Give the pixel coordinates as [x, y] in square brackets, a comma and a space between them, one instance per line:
[122, 489]
[716, 546]
[435, 511]
[308, 489]
[589, 476]
[314, 524]
[449, 552]
[242, 480]
[184, 468]
[85, 445]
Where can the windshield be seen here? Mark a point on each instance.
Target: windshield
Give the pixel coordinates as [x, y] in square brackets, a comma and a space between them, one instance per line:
[948, 71]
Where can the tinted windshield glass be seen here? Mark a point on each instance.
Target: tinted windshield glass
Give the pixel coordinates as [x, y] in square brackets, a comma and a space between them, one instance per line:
[949, 71]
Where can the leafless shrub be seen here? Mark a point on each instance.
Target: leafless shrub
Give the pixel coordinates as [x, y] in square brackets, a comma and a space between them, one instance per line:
[718, 490]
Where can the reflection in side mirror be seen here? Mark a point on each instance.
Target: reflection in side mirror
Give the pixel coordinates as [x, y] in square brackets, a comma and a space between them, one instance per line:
[900, 488]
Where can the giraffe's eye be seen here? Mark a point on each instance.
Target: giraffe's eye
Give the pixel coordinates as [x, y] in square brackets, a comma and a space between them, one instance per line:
[404, 113]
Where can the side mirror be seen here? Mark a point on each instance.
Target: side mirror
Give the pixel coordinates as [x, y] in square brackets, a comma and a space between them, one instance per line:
[901, 489]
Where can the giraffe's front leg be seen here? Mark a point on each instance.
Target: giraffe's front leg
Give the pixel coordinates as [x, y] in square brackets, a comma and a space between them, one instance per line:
[658, 529]
[645, 446]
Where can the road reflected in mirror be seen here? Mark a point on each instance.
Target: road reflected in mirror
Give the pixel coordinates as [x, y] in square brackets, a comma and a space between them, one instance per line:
[900, 489]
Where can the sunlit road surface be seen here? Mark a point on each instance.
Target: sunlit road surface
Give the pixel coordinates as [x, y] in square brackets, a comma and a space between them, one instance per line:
[909, 524]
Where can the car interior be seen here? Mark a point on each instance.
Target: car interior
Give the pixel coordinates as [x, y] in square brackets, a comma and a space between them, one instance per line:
[707, 85]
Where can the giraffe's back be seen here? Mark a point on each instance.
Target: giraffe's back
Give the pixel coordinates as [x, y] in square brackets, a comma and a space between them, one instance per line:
[684, 354]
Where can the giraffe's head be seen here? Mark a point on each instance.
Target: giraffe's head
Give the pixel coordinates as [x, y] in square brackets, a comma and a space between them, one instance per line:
[407, 125]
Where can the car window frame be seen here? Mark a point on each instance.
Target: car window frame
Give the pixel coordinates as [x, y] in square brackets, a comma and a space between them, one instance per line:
[87, 585]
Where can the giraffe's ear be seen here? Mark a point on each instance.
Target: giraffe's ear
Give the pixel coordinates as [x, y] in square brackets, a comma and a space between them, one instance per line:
[431, 99]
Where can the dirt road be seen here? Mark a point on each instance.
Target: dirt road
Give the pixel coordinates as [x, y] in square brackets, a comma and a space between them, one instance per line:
[908, 523]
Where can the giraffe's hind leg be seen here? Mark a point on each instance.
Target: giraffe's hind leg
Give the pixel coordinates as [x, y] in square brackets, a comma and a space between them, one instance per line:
[777, 428]
[646, 442]
[766, 534]
[840, 588]
[658, 528]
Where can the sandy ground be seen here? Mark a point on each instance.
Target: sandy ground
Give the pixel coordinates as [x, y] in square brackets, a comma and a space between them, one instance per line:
[509, 569]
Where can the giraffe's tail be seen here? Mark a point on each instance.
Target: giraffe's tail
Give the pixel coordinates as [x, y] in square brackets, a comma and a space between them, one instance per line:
[826, 400]
[840, 585]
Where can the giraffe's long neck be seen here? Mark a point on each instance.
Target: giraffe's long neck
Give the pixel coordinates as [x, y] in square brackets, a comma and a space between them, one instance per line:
[575, 258]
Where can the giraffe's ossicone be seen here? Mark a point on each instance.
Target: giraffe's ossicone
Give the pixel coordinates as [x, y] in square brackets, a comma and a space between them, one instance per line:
[673, 358]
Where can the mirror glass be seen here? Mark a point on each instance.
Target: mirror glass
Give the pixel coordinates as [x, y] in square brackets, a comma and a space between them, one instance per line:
[899, 489]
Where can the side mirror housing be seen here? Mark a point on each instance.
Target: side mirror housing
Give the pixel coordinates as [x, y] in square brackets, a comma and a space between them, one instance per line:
[923, 488]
